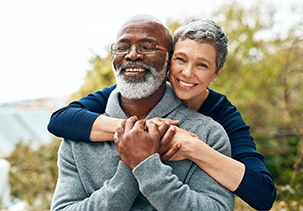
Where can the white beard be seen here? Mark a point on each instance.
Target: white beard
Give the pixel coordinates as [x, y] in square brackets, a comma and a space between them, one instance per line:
[134, 88]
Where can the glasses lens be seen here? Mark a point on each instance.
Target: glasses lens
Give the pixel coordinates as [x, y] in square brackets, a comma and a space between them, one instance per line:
[120, 48]
[146, 47]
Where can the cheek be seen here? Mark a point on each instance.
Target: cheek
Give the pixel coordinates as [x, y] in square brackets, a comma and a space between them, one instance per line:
[172, 73]
[160, 63]
[206, 78]
[174, 69]
[117, 61]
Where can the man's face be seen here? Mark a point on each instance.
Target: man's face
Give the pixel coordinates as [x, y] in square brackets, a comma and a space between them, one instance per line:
[139, 75]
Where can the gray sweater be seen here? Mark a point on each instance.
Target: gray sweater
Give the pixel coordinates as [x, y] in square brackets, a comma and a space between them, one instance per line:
[92, 177]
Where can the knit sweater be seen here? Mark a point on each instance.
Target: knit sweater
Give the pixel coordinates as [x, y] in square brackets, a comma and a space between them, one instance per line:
[92, 177]
[75, 120]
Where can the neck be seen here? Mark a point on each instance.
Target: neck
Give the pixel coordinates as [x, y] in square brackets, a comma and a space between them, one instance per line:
[142, 107]
[196, 102]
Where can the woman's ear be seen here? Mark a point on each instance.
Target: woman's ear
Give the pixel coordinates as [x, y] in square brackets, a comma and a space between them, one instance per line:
[218, 73]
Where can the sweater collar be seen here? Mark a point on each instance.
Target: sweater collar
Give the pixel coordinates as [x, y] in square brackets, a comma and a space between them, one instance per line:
[166, 105]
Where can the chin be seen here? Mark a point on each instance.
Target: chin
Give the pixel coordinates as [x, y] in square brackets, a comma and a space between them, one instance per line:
[182, 96]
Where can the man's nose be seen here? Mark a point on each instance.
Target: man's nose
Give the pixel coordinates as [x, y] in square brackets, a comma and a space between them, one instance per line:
[133, 54]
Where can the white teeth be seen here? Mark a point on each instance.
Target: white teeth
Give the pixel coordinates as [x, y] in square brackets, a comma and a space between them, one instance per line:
[186, 84]
[134, 70]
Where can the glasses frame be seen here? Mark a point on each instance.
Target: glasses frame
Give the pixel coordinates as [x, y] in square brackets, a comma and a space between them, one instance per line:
[158, 47]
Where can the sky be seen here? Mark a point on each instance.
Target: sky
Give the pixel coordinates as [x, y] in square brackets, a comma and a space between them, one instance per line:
[46, 45]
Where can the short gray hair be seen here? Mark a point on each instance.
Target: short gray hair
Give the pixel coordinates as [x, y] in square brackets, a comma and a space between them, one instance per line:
[206, 31]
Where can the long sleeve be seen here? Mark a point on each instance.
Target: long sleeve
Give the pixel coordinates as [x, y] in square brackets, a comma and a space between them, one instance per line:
[92, 177]
[168, 189]
[75, 120]
[166, 192]
[257, 187]
[73, 191]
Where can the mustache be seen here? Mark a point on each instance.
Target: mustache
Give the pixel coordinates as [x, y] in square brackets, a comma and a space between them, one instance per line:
[131, 64]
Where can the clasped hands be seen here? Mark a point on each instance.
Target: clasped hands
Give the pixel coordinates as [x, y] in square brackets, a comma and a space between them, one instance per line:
[136, 140]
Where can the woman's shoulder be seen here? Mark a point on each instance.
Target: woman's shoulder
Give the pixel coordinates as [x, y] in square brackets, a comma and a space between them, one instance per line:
[217, 102]
[213, 95]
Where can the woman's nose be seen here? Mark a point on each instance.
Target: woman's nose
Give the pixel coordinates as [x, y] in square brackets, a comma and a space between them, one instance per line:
[187, 71]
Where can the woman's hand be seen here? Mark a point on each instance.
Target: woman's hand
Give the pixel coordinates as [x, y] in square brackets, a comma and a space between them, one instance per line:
[181, 146]
[158, 121]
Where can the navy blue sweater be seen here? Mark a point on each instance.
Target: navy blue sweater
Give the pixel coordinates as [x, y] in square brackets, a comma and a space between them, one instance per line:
[257, 188]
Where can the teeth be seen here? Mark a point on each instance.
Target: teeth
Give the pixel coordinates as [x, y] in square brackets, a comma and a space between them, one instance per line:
[134, 70]
[186, 84]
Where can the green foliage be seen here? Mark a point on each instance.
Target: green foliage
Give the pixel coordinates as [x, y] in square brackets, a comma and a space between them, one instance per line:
[262, 77]
[34, 174]
[100, 76]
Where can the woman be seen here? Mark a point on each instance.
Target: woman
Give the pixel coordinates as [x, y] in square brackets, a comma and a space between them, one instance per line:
[200, 50]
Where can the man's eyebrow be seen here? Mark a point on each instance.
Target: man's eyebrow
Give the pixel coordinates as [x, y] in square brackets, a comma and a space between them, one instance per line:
[123, 40]
[148, 40]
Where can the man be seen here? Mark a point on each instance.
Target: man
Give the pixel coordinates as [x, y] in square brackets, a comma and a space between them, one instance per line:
[128, 174]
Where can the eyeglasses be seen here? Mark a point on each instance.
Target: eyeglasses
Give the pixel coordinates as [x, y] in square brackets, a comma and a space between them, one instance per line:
[122, 48]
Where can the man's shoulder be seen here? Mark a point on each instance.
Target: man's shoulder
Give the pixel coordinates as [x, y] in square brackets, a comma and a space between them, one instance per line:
[207, 129]
[189, 114]
[196, 122]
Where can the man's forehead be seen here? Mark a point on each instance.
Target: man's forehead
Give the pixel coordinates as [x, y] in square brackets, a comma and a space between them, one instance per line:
[143, 18]
[140, 25]
[139, 30]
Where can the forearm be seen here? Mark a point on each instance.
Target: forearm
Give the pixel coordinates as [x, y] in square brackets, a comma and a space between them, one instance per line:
[225, 170]
[262, 191]
[72, 123]
[252, 183]
[104, 128]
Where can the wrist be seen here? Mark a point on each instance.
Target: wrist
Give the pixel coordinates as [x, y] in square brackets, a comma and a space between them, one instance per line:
[104, 128]
[194, 145]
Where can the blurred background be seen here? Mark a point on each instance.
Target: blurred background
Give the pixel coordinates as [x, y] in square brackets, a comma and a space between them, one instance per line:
[53, 52]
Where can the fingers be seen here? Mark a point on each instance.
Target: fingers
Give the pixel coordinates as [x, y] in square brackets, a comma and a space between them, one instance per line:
[159, 121]
[174, 122]
[154, 133]
[120, 131]
[139, 125]
[155, 120]
[171, 152]
[157, 131]
[163, 128]
[124, 125]
[168, 136]
[194, 135]
[130, 122]
[166, 141]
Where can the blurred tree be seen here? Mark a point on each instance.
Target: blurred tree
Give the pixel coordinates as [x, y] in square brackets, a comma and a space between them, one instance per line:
[100, 76]
[34, 174]
[262, 77]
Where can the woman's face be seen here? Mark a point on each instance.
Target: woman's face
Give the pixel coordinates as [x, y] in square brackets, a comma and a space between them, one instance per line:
[193, 68]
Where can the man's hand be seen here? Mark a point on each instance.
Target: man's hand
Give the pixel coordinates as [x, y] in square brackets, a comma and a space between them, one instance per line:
[136, 140]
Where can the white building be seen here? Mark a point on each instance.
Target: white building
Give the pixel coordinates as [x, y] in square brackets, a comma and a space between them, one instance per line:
[26, 122]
